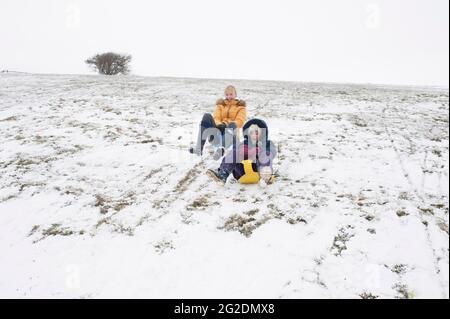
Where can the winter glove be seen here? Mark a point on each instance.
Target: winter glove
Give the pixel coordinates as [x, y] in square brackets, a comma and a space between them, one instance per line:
[222, 126]
[232, 125]
[266, 173]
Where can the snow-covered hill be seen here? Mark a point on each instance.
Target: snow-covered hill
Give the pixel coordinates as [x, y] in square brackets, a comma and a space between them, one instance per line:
[100, 198]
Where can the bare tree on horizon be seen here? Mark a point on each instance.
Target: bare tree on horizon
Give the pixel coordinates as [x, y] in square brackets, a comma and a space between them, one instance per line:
[110, 63]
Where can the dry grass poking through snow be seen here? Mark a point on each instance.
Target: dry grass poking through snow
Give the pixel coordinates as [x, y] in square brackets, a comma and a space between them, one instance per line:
[96, 171]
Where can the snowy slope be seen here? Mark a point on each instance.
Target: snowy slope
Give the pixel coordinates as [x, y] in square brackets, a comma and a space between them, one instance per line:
[100, 198]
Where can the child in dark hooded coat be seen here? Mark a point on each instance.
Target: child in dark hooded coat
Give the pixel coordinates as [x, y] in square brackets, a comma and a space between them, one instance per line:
[250, 160]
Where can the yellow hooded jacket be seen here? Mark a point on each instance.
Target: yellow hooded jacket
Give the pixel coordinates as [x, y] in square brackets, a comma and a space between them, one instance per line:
[228, 111]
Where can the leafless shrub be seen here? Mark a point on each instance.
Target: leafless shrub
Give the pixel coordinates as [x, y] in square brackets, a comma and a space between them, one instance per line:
[110, 63]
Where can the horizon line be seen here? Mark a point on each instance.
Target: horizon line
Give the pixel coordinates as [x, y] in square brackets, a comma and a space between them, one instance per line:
[428, 86]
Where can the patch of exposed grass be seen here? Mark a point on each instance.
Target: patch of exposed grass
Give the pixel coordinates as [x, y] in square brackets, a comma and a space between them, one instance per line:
[200, 203]
[119, 228]
[401, 213]
[296, 220]
[399, 269]
[403, 292]
[403, 196]
[244, 225]
[163, 245]
[442, 226]
[340, 241]
[33, 230]
[368, 295]
[57, 229]
[101, 202]
[426, 210]
[190, 176]
[54, 230]
[151, 140]
[437, 152]
[252, 212]
[10, 118]
[357, 121]
[438, 206]
[116, 227]
[105, 203]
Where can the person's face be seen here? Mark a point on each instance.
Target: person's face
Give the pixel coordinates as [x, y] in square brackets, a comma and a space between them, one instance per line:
[230, 95]
[254, 136]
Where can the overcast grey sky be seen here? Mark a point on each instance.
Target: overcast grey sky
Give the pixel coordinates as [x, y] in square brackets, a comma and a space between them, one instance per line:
[361, 41]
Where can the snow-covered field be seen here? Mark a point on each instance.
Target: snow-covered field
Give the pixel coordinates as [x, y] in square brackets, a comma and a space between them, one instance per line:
[100, 198]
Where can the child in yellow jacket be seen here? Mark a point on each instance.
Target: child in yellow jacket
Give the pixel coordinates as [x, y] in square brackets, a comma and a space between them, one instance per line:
[230, 114]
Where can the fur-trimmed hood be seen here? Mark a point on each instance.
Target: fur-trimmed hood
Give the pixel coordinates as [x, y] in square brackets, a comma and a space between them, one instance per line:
[270, 147]
[260, 123]
[234, 101]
